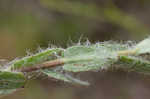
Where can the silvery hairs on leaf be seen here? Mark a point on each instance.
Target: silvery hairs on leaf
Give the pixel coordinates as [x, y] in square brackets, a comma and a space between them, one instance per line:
[77, 58]
[40, 57]
[94, 57]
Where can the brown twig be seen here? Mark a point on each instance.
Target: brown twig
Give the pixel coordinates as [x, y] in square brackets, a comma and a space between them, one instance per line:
[44, 65]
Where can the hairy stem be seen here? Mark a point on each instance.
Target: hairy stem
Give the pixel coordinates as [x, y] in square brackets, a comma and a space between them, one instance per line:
[44, 65]
[123, 56]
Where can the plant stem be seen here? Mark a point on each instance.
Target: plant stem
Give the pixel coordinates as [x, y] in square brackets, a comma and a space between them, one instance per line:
[52, 63]
[44, 65]
[127, 52]
[123, 56]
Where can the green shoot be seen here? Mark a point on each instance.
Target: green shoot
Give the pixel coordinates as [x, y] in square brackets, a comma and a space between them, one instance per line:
[59, 63]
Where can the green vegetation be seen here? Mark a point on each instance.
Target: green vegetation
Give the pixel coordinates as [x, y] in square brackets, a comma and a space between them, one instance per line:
[61, 63]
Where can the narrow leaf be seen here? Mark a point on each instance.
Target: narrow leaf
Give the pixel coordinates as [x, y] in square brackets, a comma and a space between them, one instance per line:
[64, 77]
[48, 54]
[131, 63]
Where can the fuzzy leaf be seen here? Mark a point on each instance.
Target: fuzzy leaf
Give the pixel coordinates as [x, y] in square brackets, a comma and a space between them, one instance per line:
[77, 50]
[64, 77]
[143, 46]
[86, 58]
[56, 75]
[35, 59]
[112, 46]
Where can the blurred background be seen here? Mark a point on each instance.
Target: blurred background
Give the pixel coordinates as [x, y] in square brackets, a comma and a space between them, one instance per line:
[27, 24]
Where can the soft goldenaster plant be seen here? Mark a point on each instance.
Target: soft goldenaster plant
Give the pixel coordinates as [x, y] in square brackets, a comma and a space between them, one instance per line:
[59, 63]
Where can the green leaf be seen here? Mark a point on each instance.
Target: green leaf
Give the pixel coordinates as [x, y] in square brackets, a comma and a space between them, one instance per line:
[11, 80]
[143, 47]
[64, 77]
[54, 74]
[86, 58]
[28, 61]
[112, 46]
[132, 63]
[77, 50]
